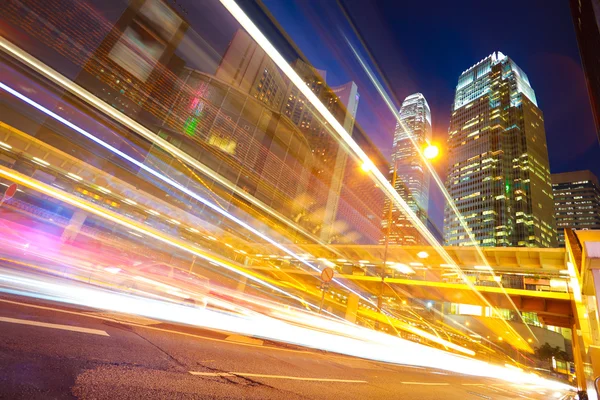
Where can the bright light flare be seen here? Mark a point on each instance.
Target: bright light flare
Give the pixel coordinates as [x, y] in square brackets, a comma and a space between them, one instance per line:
[367, 166]
[431, 152]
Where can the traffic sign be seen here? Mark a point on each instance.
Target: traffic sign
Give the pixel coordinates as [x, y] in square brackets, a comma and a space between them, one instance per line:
[10, 191]
[327, 274]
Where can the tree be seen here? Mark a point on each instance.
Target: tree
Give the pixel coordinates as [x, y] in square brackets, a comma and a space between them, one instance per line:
[545, 352]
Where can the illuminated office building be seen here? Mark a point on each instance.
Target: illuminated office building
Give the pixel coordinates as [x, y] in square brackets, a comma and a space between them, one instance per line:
[412, 181]
[499, 175]
[586, 20]
[576, 201]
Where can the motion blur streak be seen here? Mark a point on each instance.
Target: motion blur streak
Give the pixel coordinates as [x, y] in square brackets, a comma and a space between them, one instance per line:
[391, 193]
[78, 91]
[342, 338]
[172, 183]
[387, 99]
[92, 208]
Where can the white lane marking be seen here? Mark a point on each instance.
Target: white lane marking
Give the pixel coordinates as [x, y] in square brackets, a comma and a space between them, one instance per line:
[89, 315]
[244, 339]
[472, 384]
[294, 378]
[54, 326]
[426, 383]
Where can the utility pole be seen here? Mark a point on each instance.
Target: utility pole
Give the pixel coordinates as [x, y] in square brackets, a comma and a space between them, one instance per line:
[386, 246]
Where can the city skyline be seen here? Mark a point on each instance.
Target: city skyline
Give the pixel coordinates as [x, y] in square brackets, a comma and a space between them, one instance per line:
[207, 200]
[547, 51]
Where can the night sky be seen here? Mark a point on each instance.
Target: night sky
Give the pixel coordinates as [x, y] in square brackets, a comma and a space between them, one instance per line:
[425, 45]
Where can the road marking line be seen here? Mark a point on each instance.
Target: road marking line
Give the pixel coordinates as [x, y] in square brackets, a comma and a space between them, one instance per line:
[89, 315]
[244, 339]
[54, 326]
[294, 378]
[472, 384]
[426, 383]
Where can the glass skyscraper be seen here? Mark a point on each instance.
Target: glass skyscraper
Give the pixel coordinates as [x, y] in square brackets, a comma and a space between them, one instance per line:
[576, 201]
[499, 175]
[412, 182]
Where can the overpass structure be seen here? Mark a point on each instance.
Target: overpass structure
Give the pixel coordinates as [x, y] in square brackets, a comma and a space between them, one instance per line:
[559, 285]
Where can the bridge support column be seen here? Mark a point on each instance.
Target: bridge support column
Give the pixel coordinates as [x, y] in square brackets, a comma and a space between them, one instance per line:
[352, 308]
[578, 359]
[241, 286]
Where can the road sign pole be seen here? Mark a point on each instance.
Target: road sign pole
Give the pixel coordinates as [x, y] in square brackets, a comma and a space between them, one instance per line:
[324, 287]
[326, 277]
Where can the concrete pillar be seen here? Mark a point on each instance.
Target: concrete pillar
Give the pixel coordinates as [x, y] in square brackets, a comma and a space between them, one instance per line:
[241, 286]
[352, 308]
[578, 358]
[74, 227]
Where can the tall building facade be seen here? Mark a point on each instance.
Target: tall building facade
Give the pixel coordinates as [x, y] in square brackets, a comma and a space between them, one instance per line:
[499, 175]
[135, 66]
[413, 131]
[586, 19]
[576, 201]
[247, 67]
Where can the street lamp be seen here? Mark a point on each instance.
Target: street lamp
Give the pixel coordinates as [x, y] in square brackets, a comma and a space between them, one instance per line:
[367, 166]
[431, 151]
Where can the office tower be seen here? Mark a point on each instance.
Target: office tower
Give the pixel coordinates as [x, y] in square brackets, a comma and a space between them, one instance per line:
[586, 19]
[576, 201]
[246, 66]
[499, 177]
[413, 131]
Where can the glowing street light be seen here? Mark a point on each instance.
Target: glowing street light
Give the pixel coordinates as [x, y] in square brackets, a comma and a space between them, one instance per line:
[431, 151]
[367, 166]
[422, 254]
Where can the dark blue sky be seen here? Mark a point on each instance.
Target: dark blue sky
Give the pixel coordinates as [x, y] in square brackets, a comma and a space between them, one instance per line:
[424, 46]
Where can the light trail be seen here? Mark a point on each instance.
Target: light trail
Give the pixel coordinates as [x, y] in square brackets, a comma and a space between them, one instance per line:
[172, 183]
[137, 227]
[133, 225]
[345, 137]
[89, 98]
[341, 338]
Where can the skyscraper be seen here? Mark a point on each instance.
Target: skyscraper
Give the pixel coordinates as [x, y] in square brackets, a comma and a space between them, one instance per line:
[247, 67]
[412, 178]
[576, 201]
[499, 175]
[586, 18]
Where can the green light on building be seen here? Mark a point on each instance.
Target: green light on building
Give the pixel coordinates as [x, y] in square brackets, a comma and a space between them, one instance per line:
[189, 128]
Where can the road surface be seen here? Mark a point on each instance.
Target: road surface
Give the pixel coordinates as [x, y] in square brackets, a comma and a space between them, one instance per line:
[48, 350]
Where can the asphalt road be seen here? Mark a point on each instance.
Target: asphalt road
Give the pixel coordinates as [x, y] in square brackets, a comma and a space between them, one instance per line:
[49, 351]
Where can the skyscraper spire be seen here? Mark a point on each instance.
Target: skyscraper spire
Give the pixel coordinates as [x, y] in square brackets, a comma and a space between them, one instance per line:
[412, 178]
